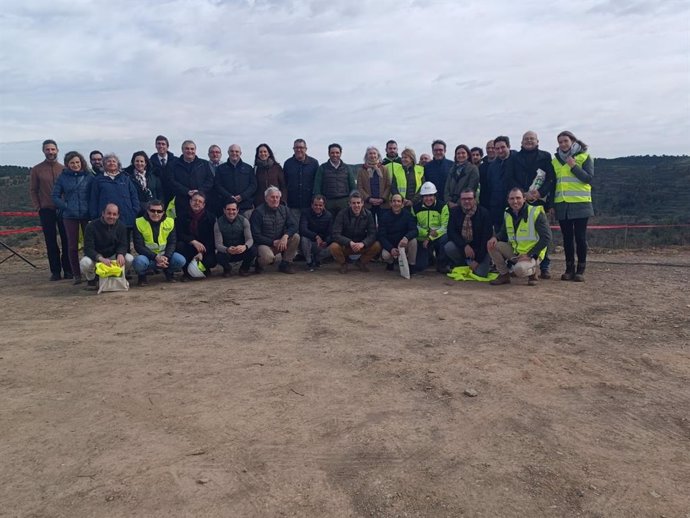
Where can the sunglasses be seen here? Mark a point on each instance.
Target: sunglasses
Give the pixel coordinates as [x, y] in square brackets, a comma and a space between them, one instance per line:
[156, 211]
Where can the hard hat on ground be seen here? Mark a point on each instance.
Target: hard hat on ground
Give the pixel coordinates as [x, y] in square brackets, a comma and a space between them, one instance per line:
[196, 269]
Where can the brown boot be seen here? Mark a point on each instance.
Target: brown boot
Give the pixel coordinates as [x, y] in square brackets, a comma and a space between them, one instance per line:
[501, 279]
[532, 280]
[343, 268]
[580, 273]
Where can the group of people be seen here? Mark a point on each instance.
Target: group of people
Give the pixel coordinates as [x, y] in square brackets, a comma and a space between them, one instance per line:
[482, 211]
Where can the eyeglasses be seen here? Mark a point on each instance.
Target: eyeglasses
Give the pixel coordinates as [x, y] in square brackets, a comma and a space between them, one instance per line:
[156, 211]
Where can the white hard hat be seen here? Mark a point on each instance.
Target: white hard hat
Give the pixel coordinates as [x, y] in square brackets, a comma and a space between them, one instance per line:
[525, 268]
[196, 269]
[427, 188]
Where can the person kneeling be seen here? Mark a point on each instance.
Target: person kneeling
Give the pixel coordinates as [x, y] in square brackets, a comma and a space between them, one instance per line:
[469, 231]
[398, 229]
[234, 240]
[522, 240]
[354, 233]
[105, 241]
[155, 240]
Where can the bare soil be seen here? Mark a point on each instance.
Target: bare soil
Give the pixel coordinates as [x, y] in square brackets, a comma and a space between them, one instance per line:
[320, 394]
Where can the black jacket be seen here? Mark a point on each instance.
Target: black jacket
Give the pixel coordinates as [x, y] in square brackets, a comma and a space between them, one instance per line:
[101, 239]
[524, 171]
[311, 225]
[185, 177]
[482, 230]
[299, 178]
[233, 180]
[270, 224]
[204, 230]
[393, 227]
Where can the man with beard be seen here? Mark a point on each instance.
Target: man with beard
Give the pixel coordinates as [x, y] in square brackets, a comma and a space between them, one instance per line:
[469, 231]
[299, 171]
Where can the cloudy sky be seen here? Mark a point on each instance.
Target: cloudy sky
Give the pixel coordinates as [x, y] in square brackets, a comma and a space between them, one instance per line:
[113, 74]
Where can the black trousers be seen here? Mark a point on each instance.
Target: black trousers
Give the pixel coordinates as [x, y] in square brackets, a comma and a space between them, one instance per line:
[246, 257]
[574, 237]
[52, 225]
[188, 251]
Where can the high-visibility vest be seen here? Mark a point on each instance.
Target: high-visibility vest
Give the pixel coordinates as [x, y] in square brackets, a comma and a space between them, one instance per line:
[398, 172]
[569, 188]
[524, 237]
[146, 231]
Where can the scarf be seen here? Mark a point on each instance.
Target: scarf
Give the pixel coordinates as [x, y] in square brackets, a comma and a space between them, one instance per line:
[140, 178]
[263, 163]
[196, 217]
[466, 231]
[111, 175]
[574, 150]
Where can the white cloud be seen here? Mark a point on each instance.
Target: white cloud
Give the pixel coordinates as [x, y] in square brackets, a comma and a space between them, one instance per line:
[113, 75]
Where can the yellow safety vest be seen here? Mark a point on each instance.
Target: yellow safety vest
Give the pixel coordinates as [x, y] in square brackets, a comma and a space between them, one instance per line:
[398, 172]
[144, 227]
[569, 188]
[525, 236]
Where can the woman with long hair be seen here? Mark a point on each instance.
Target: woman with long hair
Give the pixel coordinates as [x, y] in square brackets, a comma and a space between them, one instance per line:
[463, 175]
[146, 181]
[574, 169]
[268, 172]
[374, 182]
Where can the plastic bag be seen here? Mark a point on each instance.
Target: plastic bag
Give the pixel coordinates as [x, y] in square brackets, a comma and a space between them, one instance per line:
[403, 264]
[113, 284]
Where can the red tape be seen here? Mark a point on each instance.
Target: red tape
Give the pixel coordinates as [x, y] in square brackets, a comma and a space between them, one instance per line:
[621, 227]
[19, 231]
[18, 214]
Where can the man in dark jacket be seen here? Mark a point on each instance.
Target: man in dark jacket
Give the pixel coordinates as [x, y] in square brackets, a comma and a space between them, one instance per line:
[437, 170]
[299, 171]
[354, 233]
[235, 180]
[105, 241]
[469, 230]
[189, 174]
[161, 161]
[397, 229]
[335, 180]
[195, 239]
[275, 233]
[526, 164]
[233, 240]
[315, 227]
[155, 240]
[493, 190]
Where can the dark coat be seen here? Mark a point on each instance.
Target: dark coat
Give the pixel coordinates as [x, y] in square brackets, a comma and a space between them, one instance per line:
[236, 180]
[482, 230]
[348, 228]
[299, 178]
[105, 240]
[393, 227]
[436, 172]
[524, 171]
[311, 225]
[189, 176]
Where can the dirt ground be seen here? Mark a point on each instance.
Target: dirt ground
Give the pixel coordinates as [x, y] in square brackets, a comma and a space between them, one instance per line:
[319, 394]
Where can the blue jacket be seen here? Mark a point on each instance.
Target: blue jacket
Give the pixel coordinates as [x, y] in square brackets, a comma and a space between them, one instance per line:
[299, 177]
[120, 191]
[71, 194]
[436, 172]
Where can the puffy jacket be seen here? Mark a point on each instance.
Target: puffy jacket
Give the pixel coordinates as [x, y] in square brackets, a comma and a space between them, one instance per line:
[269, 224]
[334, 183]
[71, 194]
[120, 191]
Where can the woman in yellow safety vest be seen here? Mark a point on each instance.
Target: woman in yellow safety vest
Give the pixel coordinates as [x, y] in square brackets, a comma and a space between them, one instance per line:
[573, 201]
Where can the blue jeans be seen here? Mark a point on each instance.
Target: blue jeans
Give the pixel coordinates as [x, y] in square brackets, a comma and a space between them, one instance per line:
[142, 264]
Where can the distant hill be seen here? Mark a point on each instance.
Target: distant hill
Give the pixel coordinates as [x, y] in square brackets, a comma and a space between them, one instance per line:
[627, 190]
